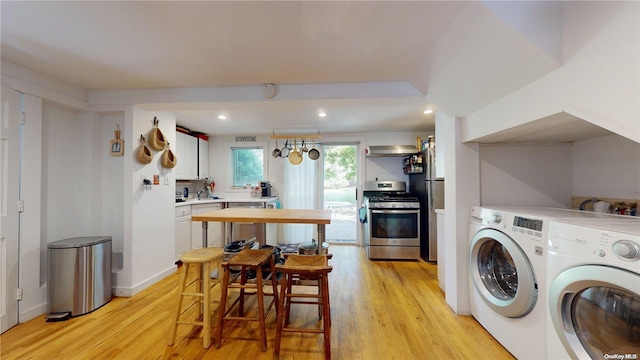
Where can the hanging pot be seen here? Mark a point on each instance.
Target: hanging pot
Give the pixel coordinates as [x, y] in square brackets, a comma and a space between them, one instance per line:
[284, 152]
[314, 154]
[276, 152]
[295, 157]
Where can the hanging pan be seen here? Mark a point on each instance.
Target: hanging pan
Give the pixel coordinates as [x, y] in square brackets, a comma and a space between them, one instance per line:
[276, 152]
[284, 152]
[314, 154]
[295, 157]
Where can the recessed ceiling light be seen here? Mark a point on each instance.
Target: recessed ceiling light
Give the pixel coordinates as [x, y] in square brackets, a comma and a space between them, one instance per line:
[322, 114]
[428, 111]
[222, 117]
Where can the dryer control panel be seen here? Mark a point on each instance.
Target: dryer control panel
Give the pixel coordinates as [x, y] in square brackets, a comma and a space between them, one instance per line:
[595, 243]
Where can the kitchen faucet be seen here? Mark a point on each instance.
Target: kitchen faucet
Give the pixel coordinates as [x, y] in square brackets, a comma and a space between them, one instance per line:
[206, 188]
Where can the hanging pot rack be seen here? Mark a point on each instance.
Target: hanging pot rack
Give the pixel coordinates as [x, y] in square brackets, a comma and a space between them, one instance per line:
[295, 156]
[296, 136]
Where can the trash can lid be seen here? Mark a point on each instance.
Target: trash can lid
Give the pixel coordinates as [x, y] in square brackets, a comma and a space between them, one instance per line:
[78, 242]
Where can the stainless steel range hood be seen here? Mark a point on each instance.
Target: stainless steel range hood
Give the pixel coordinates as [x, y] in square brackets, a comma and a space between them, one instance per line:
[391, 150]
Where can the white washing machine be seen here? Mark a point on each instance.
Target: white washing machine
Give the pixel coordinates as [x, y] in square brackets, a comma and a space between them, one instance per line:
[507, 270]
[594, 289]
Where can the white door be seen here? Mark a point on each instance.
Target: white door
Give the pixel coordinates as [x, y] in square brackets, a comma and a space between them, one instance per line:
[9, 188]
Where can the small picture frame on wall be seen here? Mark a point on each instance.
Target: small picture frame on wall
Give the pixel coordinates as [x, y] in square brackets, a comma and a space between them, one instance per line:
[117, 144]
[117, 147]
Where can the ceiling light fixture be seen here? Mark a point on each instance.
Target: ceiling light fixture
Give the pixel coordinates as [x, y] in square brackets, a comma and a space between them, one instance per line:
[322, 114]
[222, 117]
[428, 111]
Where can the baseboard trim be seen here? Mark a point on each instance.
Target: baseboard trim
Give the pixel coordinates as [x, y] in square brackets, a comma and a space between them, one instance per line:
[131, 291]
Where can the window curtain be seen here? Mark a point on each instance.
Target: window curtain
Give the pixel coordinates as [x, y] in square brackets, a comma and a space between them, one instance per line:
[300, 192]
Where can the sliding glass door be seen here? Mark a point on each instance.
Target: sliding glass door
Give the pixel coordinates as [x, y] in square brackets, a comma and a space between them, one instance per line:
[339, 185]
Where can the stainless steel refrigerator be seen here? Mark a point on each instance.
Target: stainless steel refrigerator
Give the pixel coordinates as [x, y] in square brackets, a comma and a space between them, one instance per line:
[430, 190]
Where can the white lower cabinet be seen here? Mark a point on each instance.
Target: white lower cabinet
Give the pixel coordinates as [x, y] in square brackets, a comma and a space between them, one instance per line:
[183, 230]
[215, 232]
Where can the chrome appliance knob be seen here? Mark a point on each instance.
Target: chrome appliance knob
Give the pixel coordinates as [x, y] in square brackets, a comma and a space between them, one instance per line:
[627, 250]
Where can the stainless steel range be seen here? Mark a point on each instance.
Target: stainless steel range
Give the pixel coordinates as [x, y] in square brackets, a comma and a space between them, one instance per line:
[392, 221]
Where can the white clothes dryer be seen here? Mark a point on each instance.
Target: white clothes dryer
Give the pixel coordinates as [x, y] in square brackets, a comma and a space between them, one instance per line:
[507, 274]
[594, 289]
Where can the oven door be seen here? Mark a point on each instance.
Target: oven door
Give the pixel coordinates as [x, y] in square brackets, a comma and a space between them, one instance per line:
[394, 227]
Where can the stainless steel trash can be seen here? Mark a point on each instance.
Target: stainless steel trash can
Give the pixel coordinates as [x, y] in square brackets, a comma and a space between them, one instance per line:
[79, 276]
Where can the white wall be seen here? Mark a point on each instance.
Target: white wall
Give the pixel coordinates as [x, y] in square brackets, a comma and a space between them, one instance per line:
[151, 229]
[462, 191]
[110, 195]
[66, 145]
[550, 174]
[607, 166]
[525, 175]
[598, 81]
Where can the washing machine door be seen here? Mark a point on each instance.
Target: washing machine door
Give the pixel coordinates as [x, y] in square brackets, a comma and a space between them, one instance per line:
[595, 311]
[502, 274]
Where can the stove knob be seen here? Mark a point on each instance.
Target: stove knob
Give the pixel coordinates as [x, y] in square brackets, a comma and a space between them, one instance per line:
[627, 250]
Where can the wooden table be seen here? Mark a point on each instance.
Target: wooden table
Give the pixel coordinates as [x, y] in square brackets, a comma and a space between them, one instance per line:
[276, 216]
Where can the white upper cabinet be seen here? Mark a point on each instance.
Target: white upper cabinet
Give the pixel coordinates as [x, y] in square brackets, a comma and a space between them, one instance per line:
[193, 157]
[203, 158]
[187, 155]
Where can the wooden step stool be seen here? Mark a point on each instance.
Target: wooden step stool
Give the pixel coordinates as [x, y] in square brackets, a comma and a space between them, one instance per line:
[300, 268]
[202, 260]
[247, 260]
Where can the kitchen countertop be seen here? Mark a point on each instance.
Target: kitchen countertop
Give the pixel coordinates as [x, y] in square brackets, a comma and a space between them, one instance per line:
[224, 200]
[290, 216]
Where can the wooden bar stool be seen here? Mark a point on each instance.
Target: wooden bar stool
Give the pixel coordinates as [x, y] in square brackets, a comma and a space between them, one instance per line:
[202, 261]
[247, 260]
[299, 268]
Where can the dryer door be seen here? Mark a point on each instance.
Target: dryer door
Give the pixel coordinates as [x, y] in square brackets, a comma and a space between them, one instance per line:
[502, 273]
[595, 310]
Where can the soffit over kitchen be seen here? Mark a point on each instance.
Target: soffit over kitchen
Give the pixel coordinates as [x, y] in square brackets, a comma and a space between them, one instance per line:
[458, 56]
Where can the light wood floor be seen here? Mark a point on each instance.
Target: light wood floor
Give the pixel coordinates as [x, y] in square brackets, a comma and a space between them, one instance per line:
[380, 310]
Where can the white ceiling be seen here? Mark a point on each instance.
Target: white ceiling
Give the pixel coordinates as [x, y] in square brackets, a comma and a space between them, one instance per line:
[456, 56]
